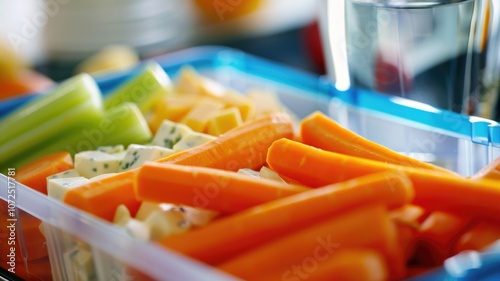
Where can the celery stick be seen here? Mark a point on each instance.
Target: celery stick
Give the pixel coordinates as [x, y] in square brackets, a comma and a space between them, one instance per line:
[131, 126]
[144, 89]
[124, 124]
[86, 113]
[65, 97]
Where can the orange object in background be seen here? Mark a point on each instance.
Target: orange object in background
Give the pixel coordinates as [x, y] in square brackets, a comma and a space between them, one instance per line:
[220, 10]
[25, 82]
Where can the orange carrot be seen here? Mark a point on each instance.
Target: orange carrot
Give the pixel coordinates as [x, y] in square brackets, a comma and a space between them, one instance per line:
[478, 237]
[356, 264]
[438, 235]
[407, 220]
[490, 171]
[35, 174]
[223, 191]
[434, 191]
[368, 226]
[102, 197]
[320, 131]
[242, 147]
[263, 223]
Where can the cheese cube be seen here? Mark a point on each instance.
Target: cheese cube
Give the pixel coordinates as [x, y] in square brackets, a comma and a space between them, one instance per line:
[249, 172]
[147, 208]
[192, 140]
[72, 173]
[172, 108]
[79, 263]
[100, 177]
[224, 121]
[265, 103]
[170, 133]
[267, 173]
[244, 104]
[122, 215]
[111, 149]
[139, 154]
[197, 118]
[198, 216]
[57, 188]
[137, 229]
[165, 223]
[191, 82]
[93, 163]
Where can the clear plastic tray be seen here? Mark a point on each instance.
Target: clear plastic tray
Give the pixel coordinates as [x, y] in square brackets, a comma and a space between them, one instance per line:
[463, 144]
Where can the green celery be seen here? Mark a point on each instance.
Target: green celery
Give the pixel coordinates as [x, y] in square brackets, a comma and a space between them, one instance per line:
[124, 124]
[65, 97]
[144, 89]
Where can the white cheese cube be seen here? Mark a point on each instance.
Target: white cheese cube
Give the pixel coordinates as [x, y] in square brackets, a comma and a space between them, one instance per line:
[72, 173]
[165, 223]
[147, 208]
[267, 173]
[248, 172]
[78, 262]
[197, 216]
[169, 133]
[139, 154]
[57, 188]
[100, 177]
[111, 149]
[122, 215]
[137, 229]
[192, 140]
[93, 163]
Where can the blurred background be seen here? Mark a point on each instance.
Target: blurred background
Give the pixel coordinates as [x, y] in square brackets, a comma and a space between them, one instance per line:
[46, 41]
[57, 38]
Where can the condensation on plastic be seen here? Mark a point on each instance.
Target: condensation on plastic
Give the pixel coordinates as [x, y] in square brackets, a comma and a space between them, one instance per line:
[461, 143]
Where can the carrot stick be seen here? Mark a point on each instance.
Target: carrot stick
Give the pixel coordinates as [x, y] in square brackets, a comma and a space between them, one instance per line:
[265, 222]
[223, 191]
[407, 220]
[242, 147]
[438, 235]
[34, 174]
[478, 237]
[367, 226]
[356, 264]
[490, 171]
[320, 131]
[102, 197]
[434, 191]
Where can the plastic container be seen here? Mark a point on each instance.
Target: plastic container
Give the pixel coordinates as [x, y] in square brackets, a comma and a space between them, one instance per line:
[461, 143]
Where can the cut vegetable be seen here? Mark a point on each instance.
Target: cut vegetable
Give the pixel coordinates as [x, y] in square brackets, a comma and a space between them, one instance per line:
[74, 105]
[490, 171]
[223, 191]
[434, 191]
[144, 89]
[265, 222]
[478, 237]
[102, 197]
[352, 264]
[242, 147]
[34, 175]
[367, 226]
[320, 131]
[438, 235]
